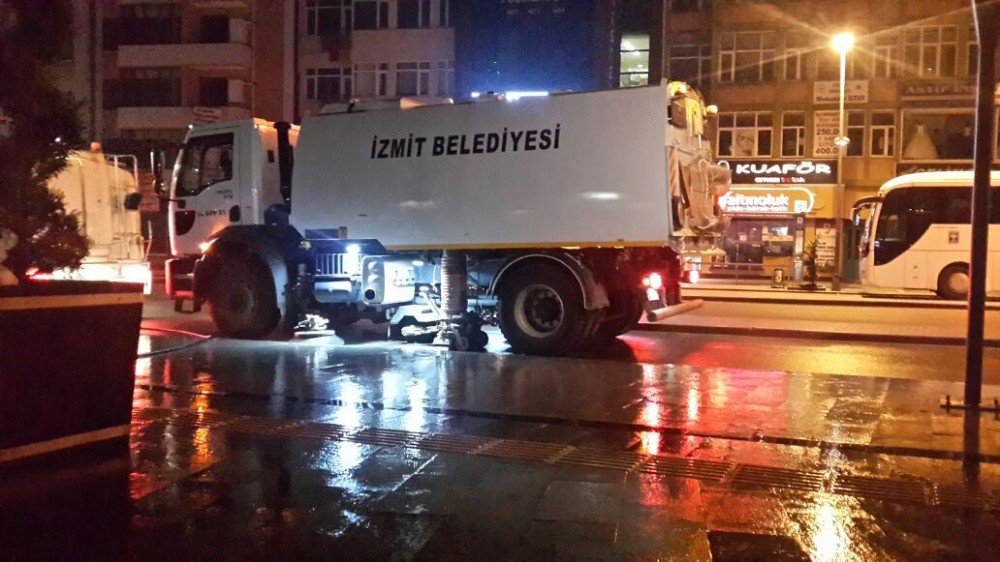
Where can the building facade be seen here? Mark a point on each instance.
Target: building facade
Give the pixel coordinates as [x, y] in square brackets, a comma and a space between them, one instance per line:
[769, 67]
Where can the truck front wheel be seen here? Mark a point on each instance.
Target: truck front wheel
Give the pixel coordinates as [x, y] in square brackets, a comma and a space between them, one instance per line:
[242, 299]
[541, 311]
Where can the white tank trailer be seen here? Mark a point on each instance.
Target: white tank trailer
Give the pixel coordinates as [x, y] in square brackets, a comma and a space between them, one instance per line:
[552, 217]
[95, 186]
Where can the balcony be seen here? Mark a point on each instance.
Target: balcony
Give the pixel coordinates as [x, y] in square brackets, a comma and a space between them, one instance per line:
[176, 117]
[233, 56]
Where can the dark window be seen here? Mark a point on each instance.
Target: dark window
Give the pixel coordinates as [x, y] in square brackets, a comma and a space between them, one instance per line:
[215, 29]
[214, 92]
[414, 13]
[150, 24]
[369, 14]
[109, 34]
[149, 87]
[207, 160]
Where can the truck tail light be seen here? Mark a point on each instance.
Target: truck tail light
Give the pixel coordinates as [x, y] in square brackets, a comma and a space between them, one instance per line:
[692, 276]
[653, 281]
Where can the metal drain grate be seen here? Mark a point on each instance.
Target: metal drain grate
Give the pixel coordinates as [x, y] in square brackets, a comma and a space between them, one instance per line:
[728, 473]
[908, 491]
[776, 477]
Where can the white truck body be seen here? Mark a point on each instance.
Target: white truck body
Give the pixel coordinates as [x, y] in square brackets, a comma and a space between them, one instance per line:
[94, 185]
[562, 208]
[540, 172]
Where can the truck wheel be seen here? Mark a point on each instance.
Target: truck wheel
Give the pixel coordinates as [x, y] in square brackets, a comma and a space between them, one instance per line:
[625, 312]
[243, 302]
[953, 282]
[541, 311]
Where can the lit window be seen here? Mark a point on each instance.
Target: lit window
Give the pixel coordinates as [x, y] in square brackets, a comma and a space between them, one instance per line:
[937, 134]
[634, 56]
[793, 134]
[745, 134]
[883, 133]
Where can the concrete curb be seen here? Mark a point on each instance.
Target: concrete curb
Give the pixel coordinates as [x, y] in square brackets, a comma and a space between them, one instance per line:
[809, 334]
[867, 301]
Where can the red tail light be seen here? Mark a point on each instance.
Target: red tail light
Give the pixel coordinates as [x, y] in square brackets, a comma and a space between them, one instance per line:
[653, 281]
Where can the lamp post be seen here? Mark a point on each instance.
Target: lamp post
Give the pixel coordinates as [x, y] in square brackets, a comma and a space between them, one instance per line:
[842, 43]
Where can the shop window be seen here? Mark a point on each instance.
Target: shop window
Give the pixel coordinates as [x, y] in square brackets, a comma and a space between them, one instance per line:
[690, 63]
[793, 134]
[371, 14]
[634, 56]
[938, 135]
[413, 14]
[413, 78]
[798, 53]
[328, 84]
[745, 134]
[328, 17]
[855, 132]
[883, 134]
[371, 80]
[446, 78]
[885, 55]
[931, 51]
[747, 56]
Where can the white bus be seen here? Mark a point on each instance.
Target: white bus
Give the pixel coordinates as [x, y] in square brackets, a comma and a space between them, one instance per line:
[918, 236]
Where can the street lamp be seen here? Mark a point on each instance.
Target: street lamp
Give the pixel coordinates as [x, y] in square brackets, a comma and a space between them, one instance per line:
[842, 43]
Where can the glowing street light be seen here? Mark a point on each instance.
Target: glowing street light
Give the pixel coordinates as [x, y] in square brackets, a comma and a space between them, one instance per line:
[842, 43]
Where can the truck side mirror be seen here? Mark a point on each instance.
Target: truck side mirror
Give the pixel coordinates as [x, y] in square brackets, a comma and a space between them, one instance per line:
[132, 201]
[157, 158]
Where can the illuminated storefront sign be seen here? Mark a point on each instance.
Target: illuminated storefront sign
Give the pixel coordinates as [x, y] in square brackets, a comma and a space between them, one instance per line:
[750, 172]
[762, 200]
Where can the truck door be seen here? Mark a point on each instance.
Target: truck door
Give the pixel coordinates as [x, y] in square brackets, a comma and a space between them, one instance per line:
[205, 192]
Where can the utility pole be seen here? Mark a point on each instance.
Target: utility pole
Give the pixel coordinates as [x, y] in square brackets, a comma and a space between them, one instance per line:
[987, 19]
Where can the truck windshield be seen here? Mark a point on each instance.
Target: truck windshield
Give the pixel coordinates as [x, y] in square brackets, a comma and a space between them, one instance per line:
[204, 161]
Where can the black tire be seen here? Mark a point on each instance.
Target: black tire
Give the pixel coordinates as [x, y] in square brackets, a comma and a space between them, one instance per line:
[541, 311]
[623, 314]
[953, 282]
[242, 299]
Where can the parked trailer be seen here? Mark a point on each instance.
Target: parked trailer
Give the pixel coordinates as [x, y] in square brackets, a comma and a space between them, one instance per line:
[552, 214]
[96, 185]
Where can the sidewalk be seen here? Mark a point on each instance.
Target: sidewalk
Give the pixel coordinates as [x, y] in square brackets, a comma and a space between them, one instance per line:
[305, 450]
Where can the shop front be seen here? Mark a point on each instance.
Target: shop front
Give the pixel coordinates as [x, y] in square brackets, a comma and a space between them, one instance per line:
[775, 208]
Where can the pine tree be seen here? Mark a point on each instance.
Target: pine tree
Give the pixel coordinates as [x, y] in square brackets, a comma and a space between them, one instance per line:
[44, 126]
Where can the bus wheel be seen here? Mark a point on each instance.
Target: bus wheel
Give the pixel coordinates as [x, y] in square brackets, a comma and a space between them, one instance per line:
[953, 283]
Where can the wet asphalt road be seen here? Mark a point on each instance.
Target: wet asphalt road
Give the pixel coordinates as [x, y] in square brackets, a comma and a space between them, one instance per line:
[916, 361]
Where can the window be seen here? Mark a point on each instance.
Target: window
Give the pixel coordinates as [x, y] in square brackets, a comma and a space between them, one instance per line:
[937, 134]
[328, 17]
[207, 160]
[149, 24]
[747, 56]
[444, 13]
[446, 78]
[883, 133]
[371, 14]
[371, 80]
[634, 56]
[972, 53]
[413, 14]
[745, 134]
[684, 6]
[793, 134]
[886, 55]
[328, 84]
[690, 63]
[798, 52]
[413, 78]
[856, 132]
[213, 92]
[930, 51]
[150, 87]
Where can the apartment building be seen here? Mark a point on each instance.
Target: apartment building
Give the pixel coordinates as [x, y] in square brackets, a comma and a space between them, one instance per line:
[769, 67]
[146, 69]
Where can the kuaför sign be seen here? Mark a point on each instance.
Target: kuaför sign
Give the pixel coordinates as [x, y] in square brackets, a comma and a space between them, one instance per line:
[755, 172]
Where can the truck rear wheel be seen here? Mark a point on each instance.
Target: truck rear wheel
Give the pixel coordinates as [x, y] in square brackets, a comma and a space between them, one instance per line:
[624, 313]
[541, 311]
[242, 301]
